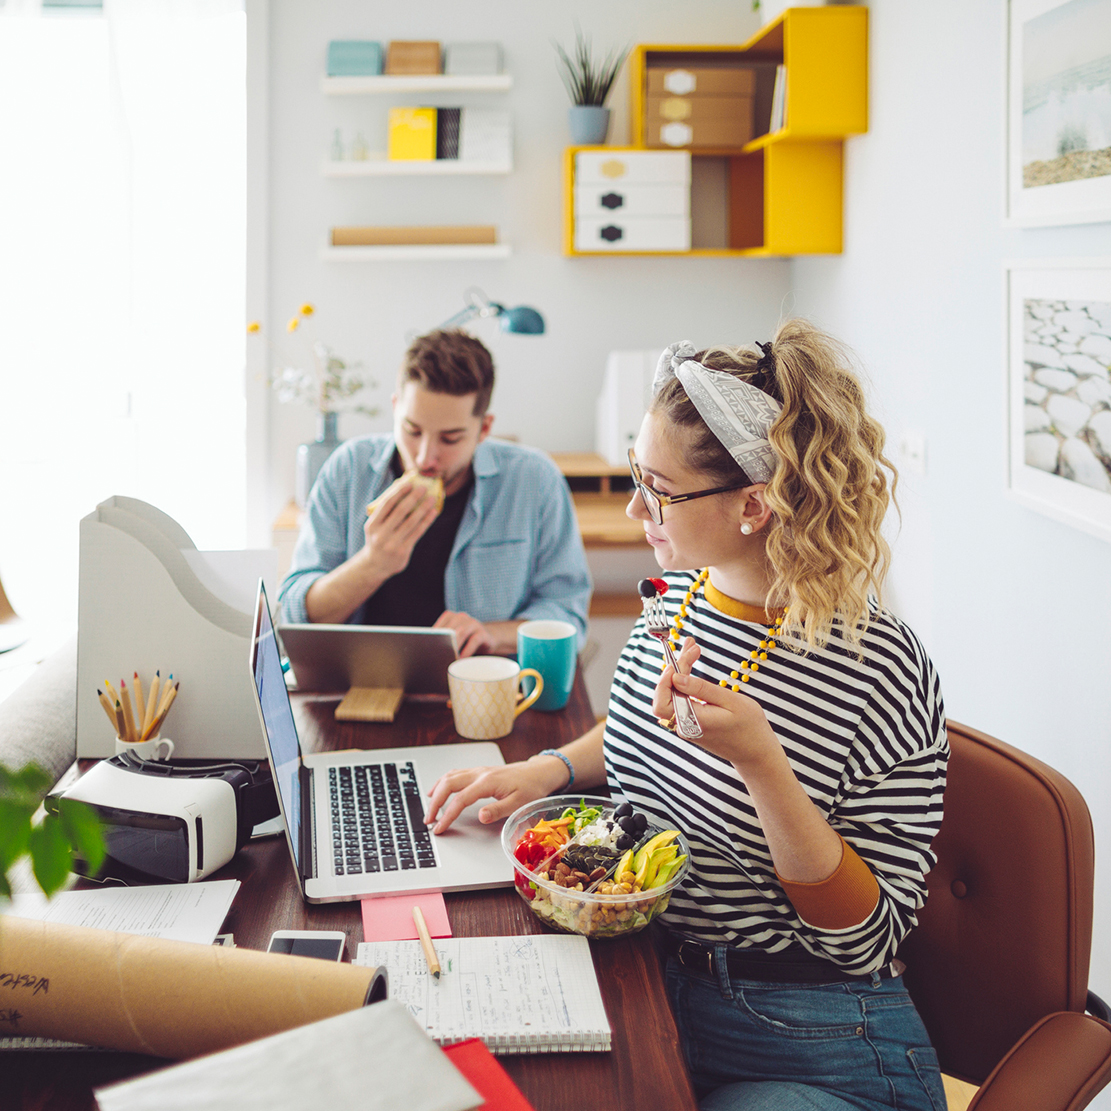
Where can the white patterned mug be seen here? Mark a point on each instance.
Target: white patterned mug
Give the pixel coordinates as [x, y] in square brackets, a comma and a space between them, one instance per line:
[147, 750]
[486, 696]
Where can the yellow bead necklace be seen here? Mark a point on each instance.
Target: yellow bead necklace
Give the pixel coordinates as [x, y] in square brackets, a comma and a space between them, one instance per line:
[755, 657]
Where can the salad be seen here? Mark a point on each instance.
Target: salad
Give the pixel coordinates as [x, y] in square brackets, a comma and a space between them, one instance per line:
[596, 870]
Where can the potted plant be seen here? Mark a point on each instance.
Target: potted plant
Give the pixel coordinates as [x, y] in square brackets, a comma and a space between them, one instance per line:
[50, 843]
[588, 83]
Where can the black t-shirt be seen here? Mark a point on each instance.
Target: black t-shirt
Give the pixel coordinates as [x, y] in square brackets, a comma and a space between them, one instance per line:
[415, 596]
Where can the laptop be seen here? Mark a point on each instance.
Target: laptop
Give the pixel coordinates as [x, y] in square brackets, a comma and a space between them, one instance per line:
[339, 657]
[354, 819]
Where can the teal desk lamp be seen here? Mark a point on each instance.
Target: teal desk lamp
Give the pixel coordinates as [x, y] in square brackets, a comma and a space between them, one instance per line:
[522, 320]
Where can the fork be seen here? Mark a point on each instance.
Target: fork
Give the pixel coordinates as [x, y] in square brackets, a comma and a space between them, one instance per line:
[658, 626]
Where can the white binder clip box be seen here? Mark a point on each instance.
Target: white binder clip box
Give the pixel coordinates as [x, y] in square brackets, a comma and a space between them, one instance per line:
[149, 601]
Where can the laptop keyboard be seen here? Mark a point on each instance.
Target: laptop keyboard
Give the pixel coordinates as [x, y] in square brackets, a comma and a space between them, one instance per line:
[378, 819]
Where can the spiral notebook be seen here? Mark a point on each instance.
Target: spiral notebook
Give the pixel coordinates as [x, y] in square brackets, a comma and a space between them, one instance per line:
[536, 993]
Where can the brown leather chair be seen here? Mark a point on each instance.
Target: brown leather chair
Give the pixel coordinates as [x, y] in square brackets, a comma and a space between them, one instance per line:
[998, 964]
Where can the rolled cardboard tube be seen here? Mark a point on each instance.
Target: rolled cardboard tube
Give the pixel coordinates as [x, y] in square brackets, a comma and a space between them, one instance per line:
[167, 998]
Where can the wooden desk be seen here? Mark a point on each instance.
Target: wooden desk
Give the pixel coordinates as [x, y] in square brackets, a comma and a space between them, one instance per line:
[645, 1067]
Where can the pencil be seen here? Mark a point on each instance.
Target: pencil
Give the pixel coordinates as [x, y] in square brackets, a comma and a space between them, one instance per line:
[168, 694]
[104, 701]
[112, 696]
[140, 705]
[128, 715]
[426, 943]
[152, 701]
[167, 702]
[121, 725]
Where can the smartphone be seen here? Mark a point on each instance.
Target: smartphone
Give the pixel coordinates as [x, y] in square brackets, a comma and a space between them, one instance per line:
[326, 944]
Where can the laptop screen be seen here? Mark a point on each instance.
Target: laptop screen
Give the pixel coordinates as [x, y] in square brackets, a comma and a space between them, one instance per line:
[277, 720]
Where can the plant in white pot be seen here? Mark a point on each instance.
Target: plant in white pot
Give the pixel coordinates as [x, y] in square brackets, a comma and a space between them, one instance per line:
[588, 83]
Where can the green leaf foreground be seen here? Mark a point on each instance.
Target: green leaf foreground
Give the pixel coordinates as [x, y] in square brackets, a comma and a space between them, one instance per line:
[50, 843]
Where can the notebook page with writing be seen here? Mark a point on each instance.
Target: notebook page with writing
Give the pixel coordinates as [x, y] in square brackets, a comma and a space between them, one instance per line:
[536, 993]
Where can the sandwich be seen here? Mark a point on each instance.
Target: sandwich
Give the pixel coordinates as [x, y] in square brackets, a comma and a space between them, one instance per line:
[412, 478]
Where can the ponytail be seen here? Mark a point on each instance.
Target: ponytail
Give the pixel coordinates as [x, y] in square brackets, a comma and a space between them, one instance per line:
[829, 493]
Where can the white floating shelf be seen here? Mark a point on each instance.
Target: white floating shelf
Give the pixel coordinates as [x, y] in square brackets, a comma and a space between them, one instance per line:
[439, 83]
[382, 167]
[418, 253]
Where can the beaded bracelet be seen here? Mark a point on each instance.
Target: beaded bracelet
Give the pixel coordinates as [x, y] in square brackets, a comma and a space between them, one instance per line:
[570, 766]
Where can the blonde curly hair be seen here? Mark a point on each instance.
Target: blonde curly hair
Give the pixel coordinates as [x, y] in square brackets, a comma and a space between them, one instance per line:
[830, 490]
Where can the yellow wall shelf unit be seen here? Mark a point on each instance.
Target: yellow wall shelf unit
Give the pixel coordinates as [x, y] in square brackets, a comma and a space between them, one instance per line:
[780, 193]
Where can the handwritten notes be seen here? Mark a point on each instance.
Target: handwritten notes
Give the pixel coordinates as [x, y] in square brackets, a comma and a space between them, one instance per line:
[517, 994]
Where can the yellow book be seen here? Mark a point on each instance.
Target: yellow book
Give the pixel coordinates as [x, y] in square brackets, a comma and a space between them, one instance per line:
[412, 134]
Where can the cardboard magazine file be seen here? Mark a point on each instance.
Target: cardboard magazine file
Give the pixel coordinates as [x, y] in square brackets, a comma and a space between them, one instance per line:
[173, 999]
[150, 601]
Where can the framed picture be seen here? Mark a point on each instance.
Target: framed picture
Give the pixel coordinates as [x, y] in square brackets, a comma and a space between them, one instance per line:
[1059, 390]
[1058, 112]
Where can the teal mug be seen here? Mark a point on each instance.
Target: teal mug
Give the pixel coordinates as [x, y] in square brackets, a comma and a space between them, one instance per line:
[551, 647]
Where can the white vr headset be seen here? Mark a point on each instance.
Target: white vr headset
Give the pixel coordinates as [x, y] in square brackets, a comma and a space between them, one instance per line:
[175, 822]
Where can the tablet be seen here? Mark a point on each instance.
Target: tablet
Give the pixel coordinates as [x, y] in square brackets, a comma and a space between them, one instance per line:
[330, 658]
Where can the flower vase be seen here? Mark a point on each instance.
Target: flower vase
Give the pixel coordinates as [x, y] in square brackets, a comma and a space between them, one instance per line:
[311, 457]
[589, 124]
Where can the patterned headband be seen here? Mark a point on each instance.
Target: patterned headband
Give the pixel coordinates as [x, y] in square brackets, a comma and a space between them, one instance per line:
[737, 413]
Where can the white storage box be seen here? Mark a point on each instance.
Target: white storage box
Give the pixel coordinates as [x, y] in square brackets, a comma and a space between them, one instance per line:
[632, 200]
[637, 233]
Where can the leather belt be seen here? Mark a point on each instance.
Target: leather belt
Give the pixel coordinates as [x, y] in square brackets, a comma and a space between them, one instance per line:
[698, 957]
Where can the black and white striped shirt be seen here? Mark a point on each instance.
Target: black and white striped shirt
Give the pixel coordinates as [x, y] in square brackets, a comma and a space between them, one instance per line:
[866, 739]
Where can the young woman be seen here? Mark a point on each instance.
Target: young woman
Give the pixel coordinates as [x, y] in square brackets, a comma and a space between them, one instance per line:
[811, 799]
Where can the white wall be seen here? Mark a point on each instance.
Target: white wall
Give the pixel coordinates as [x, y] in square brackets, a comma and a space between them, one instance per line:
[546, 385]
[1013, 606]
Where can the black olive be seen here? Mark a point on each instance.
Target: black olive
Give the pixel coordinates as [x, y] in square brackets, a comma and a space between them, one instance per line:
[628, 824]
[625, 841]
[641, 821]
[646, 588]
[624, 810]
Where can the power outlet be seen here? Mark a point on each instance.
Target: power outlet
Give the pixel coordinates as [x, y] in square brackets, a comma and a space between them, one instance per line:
[912, 452]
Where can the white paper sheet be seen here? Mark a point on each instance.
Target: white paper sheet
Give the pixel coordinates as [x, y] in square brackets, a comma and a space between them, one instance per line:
[176, 911]
[373, 1059]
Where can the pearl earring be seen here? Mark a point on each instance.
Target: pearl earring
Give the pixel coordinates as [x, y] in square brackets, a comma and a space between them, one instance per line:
[746, 528]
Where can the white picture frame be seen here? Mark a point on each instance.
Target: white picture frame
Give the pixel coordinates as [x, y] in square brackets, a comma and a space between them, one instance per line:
[1058, 95]
[1059, 390]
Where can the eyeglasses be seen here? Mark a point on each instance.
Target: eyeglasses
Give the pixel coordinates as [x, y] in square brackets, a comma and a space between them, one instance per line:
[654, 501]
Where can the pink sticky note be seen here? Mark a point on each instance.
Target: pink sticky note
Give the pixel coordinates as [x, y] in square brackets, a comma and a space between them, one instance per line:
[390, 917]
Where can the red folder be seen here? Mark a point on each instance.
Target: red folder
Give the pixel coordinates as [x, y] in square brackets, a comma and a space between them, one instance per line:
[481, 1068]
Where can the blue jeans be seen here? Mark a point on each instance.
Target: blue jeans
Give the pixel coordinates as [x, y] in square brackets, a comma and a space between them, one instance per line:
[856, 1045]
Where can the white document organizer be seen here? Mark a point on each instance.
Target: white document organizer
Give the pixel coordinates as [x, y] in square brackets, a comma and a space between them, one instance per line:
[632, 201]
[148, 600]
[626, 391]
[632, 233]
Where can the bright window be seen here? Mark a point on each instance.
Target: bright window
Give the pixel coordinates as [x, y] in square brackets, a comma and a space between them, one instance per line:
[122, 240]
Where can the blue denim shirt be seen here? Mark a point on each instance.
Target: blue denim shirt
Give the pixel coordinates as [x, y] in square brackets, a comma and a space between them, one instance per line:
[518, 554]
